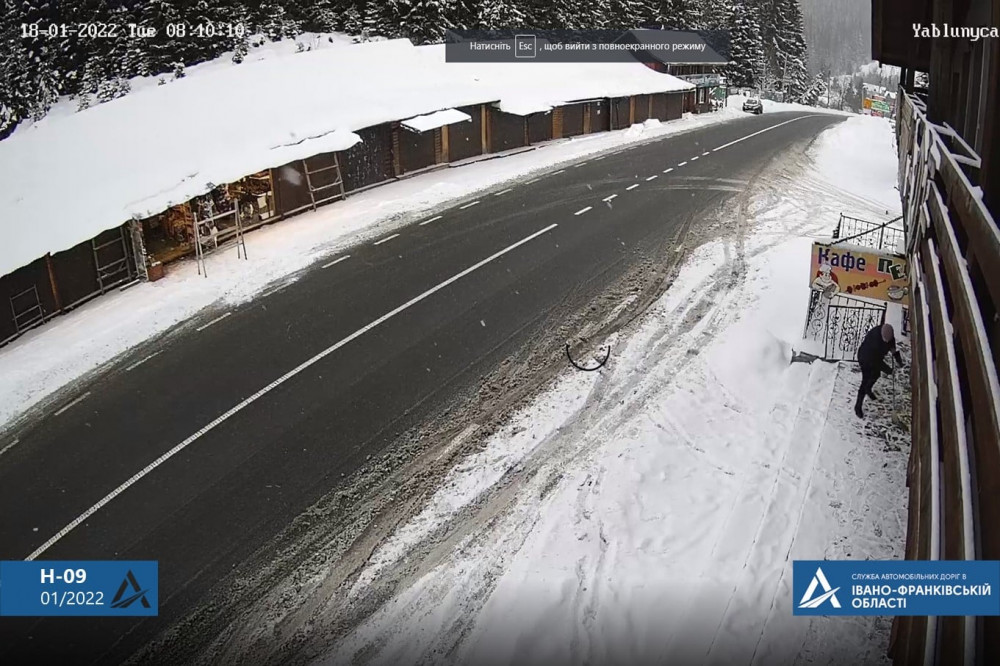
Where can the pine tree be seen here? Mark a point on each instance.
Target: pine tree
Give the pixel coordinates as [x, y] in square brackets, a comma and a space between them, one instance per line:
[747, 51]
[498, 14]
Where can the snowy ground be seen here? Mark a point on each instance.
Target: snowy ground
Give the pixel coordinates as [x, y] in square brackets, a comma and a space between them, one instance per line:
[650, 512]
[46, 359]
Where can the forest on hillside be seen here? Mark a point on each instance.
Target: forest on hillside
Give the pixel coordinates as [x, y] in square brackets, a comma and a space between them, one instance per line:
[41, 62]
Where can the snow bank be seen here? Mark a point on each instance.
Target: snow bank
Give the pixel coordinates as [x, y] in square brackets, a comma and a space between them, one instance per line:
[861, 158]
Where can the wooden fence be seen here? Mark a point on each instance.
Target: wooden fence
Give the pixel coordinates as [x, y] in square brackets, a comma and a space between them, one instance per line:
[954, 467]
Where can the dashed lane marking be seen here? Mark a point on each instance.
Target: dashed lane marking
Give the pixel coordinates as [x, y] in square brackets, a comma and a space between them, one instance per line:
[653, 177]
[668, 170]
[681, 164]
[606, 199]
[583, 210]
[270, 387]
[436, 217]
[695, 158]
[340, 259]
[9, 446]
[214, 321]
[386, 239]
[70, 404]
[509, 189]
[631, 187]
[469, 205]
[140, 362]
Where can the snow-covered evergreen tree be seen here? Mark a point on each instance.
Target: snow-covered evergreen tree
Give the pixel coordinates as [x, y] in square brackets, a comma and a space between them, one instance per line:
[747, 50]
[498, 14]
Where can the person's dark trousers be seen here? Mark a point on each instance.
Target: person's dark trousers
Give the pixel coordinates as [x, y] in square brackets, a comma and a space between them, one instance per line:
[869, 375]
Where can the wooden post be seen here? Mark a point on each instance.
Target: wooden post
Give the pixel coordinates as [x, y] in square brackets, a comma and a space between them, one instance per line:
[587, 108]
[485, 127]
[557, 122]
[52, 282]
[443, 155]
[631, 110]
[397, 168]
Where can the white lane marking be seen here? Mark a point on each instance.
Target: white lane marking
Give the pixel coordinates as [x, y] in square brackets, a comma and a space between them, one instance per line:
[386, 239]
[140, 362]
[668, 170]
[436, 217]
[704, 153]
[9, 446]
[338, 260]
[583, 210]
[653, 177]
[695, 158]
[681, 164]
[533, 180]
[277, 382]
[560, 171]
[577, 166]
[600, 158]
[214, 321]
[609, 198]
[509, 189]
[767, 129]
[469, 205]
[631, 187]
[268, 293]
[68, 405]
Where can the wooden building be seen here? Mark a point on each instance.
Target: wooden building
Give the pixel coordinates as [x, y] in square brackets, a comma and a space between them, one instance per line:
[60, 282]
[949, 166]
[139, 249]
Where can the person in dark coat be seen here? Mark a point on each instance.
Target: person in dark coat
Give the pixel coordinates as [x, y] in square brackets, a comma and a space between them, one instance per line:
[877, 343]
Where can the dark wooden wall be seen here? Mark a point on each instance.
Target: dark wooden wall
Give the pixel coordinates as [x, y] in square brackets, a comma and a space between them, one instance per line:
[539, 127]
[573, 119]
[416, 149]
[291, 191]
[600, 116]
[506, 131]
[370, 161]
[641, 108]
[465, 139]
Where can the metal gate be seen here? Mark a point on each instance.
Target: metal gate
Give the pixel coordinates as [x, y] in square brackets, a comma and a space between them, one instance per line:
[842, 323]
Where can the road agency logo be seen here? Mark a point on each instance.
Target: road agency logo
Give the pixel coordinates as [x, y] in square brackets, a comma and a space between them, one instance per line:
[129, 592]
[813, 599]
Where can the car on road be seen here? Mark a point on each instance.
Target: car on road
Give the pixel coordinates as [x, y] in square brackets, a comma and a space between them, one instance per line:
[753, 105]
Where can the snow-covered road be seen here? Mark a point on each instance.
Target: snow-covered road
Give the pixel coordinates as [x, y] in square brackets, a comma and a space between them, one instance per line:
[651, 512]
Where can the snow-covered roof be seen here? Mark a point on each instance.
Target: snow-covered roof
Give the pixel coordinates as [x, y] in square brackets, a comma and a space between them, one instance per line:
[531, 87]
[67, 179]
[435, 120]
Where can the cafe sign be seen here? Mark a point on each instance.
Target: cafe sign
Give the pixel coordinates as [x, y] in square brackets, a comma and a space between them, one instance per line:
[858, 271]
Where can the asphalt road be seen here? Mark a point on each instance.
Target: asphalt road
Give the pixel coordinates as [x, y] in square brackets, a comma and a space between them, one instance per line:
[348, 357]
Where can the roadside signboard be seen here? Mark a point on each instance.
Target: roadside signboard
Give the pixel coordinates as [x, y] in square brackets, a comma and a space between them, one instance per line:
[859, 271]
